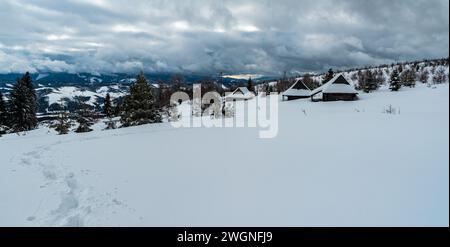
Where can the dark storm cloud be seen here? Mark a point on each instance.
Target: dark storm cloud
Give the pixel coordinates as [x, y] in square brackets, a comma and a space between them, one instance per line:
[232, 36]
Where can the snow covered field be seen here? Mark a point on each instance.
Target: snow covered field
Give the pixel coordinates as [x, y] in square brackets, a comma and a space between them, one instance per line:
[332, 164]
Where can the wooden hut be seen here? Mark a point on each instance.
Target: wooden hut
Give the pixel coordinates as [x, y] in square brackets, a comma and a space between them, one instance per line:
[337, 88]
[241, 93]
[297, 91]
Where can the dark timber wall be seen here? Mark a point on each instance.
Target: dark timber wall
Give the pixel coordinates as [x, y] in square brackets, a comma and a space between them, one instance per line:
[338, 96]
[295, 97]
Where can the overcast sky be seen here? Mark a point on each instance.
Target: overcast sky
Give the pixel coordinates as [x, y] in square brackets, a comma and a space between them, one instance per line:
[232, 36]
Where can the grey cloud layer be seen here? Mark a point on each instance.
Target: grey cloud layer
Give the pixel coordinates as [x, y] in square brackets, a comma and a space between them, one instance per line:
[232, 36]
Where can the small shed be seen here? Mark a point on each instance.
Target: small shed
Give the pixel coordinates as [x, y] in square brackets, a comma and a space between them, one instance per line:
[337, 88]
[297, 91]
[241, 93]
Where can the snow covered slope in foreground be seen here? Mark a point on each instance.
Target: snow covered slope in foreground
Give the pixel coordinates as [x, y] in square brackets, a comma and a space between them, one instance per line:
[332, 164]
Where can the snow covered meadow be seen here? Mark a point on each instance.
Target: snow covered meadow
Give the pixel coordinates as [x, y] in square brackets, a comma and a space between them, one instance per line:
[382, 160]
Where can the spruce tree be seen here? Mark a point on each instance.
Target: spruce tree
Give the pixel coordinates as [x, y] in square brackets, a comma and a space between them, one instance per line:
[139, 106]
[63, 123]
[109, 112]
[107, 107]
[439, 76]
[412, 78]
[266, 89]
[423, 76]
[395, 83]
[250, 85]
[408, 77]
[328, 76]
[23, 105]
[370, 82]
[84, 118]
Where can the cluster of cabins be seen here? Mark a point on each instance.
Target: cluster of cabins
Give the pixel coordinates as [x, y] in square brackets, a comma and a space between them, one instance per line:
[338, 88]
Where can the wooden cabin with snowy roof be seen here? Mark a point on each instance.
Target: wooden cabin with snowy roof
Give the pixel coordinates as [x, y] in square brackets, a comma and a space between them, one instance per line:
[297, 91]
[336, 89]
[241, 93]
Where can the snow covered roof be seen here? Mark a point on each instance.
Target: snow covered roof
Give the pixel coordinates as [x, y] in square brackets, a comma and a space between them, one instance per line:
[244, 90]
[298, 89]
[240, 93]
[336, 85]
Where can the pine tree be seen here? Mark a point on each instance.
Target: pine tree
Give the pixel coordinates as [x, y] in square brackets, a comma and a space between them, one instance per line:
[379, 77]
[139, 106]
[265, 89]
[408, 78]
[84, 118]
[370, 82]
[63, 123]
[423, 76]
[361, 79]
[328, 76]
[109, 112]
[250, 85]
[23, 105]
[439, 76]
[107, 107]
[395, 83]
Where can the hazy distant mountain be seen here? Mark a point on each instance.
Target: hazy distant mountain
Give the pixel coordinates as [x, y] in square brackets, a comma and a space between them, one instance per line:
[56, 79]
[53, 87]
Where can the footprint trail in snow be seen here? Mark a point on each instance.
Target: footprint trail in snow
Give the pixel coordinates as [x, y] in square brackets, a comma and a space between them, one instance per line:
[77, 202]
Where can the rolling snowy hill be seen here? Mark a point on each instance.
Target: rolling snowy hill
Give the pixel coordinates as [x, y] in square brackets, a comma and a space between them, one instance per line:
[331, 164]
[427, 72]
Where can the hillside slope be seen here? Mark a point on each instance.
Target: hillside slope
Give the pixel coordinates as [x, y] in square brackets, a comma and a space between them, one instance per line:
[331, 164]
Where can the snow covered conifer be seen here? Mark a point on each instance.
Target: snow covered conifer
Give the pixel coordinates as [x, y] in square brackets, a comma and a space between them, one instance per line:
[84, 118]
[107, 107]
[63, 123]
[139, 106]
[423, 76]
[23, 105]
[439, 76]
[408, 77]
[395, 83]
[379, 77]
[250, 85]
[328, 76]
[370, 82]
[109, 112]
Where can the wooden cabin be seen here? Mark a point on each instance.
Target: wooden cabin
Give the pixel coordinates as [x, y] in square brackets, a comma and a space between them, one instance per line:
[241, 93]
[297, 91]
[336, 89]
